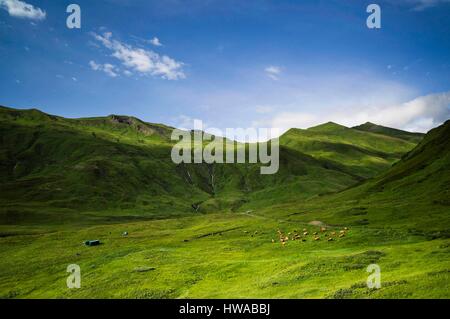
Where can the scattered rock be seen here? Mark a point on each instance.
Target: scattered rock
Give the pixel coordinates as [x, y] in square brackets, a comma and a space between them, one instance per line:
[144, 269]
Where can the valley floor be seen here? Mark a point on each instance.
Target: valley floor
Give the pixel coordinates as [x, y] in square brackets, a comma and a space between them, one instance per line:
[221, 256]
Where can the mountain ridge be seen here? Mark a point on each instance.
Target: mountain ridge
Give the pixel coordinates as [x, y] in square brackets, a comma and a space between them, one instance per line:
[379, 129]
[122, 163]
[134, 121]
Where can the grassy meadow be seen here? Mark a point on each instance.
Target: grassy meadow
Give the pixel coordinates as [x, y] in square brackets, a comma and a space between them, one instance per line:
[212, 231]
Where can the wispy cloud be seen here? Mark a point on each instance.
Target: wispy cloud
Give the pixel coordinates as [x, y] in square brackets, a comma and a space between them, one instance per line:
[419, 115]
[273, 72]
[141, 61]
[108, 68]
[420, 5]
[155, 41]
[186, 123]
[21, 9]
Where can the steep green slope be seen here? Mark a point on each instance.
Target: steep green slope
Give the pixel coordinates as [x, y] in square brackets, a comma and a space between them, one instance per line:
[361, 153]
[418, 187]
[408, 136]
[61, 167]
[123, 165]
[414, 194]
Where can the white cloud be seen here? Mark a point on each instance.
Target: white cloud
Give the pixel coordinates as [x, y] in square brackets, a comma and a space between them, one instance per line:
[94, 66]
[308, 96]
[145, 62]
[21, 9]
[155, 41]
[418, 115]
[186, 123]
[273, 72]
[420, 5]
[108, 68]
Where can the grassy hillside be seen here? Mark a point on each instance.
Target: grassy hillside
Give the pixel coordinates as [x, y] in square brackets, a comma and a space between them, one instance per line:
[119, 163]
[413, 194]
[408, 136]
[53, 162]
[362, 153]
[398, 218]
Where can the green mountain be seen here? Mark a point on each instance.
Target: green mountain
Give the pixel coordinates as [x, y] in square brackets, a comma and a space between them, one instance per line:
[408, 136]
[123, 164]
[356, 152]
[382, 198]
[413, 194]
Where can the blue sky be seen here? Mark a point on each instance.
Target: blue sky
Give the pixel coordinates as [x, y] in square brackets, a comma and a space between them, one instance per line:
[230, 63]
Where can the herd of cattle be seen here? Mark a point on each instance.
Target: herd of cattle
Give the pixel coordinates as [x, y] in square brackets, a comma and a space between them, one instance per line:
[305, 234]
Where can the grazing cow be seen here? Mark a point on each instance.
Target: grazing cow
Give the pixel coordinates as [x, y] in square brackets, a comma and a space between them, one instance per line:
[305, 233]
[342, 235]
[323, 229]
[317, 238]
